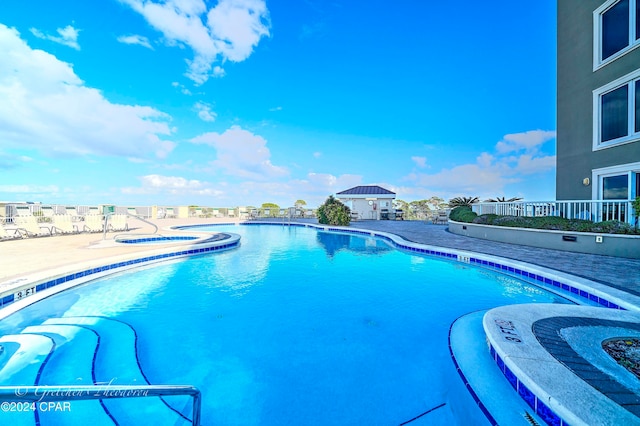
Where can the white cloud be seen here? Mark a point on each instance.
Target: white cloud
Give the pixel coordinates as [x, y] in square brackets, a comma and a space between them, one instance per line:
[317, 154]
[174, 185]
[491, 173]
[228, 31]
[10, 161]
[468, 179]
[278, 108]
[33, 86]
[530, 165]
[68, 36]
[135, 39]
[218, 71]
[420, 161]
[528, 141]
[204, 112]
[183, 89]
[29, 189]
[241, 153]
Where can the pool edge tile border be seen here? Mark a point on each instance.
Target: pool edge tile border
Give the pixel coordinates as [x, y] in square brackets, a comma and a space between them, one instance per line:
[20, 292]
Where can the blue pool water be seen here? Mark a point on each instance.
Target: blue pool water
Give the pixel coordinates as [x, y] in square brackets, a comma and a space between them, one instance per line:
[297, 326]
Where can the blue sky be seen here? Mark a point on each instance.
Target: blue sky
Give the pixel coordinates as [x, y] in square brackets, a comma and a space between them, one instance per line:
[242, 102]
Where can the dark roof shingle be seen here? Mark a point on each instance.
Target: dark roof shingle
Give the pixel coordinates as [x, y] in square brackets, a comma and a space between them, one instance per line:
[366, 190]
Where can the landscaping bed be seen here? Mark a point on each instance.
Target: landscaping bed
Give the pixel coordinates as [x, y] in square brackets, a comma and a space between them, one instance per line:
[554, 223]
[626, 352]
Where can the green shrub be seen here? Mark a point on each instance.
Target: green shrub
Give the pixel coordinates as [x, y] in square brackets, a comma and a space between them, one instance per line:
[333, 212]
[486, 219]
[554, 223]
[462, 214]
[614, 227]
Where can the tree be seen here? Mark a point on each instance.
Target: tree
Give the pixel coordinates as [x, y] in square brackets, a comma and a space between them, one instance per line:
[462, 201]
[635, 204]
[419, 209]
[437, 203]
[503, 200]
[300, 204]
[272, 207]
[333, 212]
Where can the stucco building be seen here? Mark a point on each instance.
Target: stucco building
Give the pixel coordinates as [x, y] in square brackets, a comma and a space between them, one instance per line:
[598, 128]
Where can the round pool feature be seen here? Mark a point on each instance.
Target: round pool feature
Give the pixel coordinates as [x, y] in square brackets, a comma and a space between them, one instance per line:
[160, 239]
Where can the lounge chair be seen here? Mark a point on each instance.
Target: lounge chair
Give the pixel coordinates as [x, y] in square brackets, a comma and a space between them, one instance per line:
[93, 223]
[63, 224]
[118, 222]
[23, 211]
[31, 227]
[443, 217]
[309, 214]
[131, 211]
[231, 213]
[47, 212]
[170, 213]
[71, 211]
[9, 233]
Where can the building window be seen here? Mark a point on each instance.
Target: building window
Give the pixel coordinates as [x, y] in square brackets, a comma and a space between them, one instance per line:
[615, 187]
[637, 108]
[617, 112]
[614, 114]
[616, 30]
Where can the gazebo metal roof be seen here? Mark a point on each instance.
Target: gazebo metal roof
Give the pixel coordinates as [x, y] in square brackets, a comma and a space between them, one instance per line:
[366, 190]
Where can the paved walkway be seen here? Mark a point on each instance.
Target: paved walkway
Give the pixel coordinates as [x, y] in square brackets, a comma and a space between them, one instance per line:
[617, 272]
[22, 257]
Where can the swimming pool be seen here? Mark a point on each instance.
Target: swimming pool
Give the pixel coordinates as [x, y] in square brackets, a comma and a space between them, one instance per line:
[297, 326]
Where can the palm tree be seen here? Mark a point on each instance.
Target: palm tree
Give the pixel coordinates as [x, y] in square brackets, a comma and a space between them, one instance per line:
[503, 200]
[462, 201]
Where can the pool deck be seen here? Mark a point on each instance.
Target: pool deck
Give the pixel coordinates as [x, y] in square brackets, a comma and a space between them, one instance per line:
[25, 257]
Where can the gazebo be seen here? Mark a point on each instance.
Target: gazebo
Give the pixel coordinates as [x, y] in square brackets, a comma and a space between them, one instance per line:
[368, 202]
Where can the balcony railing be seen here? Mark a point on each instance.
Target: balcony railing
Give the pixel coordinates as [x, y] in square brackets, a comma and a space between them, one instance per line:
[594, 210]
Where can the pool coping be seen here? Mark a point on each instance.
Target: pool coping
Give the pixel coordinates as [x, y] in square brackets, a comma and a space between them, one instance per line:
[555, 381]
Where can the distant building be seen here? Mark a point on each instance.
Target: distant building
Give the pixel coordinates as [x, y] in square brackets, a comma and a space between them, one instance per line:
[598, 109]
[368, 202]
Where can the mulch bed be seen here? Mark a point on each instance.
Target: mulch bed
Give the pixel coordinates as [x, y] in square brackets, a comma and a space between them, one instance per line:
[626, 352]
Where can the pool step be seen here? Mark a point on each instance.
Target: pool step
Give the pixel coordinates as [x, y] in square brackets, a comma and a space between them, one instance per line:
[71, 363]
[116, 363]
[22, 358]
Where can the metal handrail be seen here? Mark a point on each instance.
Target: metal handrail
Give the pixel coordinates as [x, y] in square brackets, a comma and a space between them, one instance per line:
[43, 394]
[106, 223]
